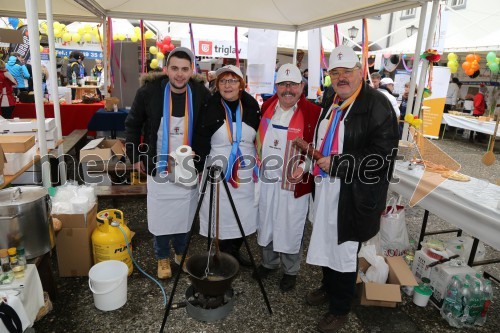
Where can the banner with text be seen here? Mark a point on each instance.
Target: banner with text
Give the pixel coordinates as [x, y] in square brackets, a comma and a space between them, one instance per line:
[216, 48]
[313, 62]
[262, 51]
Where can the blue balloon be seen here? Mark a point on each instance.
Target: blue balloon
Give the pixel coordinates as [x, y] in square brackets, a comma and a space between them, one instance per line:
[13, 21]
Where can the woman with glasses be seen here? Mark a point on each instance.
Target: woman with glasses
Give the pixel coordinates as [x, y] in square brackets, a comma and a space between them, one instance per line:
[227, 134]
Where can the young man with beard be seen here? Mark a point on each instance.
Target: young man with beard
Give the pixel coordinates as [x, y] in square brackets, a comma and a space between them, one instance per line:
[284, 195]
[359, 126]
[165, 111]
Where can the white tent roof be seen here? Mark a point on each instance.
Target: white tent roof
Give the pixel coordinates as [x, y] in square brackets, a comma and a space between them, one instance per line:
[275, 14]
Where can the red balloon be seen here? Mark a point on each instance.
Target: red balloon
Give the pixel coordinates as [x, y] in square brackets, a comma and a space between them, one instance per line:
[167, 40]
[165, 48]
[159, 44]
[171, 47]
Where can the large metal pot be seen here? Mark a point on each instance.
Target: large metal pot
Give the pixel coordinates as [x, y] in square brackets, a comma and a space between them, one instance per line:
[25, 220]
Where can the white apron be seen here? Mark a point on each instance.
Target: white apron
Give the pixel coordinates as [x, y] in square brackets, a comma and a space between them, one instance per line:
[171, 207]
[281, 216]
[324, 249]
[243, 196]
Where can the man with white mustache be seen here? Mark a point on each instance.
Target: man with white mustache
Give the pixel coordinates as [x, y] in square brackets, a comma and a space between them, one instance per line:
[284, 194]
[356, 123]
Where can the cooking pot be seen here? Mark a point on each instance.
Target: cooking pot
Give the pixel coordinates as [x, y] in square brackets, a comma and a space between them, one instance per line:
[25, 220]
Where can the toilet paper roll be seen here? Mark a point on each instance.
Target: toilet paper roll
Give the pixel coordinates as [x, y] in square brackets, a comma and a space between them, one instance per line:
[184, 170]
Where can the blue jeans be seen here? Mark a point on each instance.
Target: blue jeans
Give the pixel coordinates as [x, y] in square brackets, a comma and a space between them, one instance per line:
[162, 244]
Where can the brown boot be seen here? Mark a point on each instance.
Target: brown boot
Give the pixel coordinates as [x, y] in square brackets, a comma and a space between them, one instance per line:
[164, 271]
[317, 297]
[332, 323]
[178, 258]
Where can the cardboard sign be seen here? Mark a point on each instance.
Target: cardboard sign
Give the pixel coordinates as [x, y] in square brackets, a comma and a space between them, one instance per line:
[11, 36]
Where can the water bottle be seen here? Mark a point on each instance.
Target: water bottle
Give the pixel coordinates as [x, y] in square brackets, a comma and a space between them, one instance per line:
[73, 79]
[475, 304]
[466, 303]
[487, 298]
[452, 305]
[479, 279]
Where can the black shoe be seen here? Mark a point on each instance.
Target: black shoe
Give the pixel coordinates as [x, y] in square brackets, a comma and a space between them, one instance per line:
[288, 282]
[242, 260]
[317, 297]
[263, 272]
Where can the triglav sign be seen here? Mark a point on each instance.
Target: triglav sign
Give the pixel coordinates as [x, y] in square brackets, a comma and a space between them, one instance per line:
[216, 48]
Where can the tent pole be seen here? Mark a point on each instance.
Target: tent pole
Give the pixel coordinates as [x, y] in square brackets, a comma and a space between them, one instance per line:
[294, 60]
[32, 15]
[425, 64]
[55, 89]
[413, 76]
[105, 55]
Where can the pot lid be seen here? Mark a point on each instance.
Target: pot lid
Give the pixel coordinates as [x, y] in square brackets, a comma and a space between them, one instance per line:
[19, 195]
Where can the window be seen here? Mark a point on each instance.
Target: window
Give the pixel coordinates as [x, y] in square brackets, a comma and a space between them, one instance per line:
[408, 13]
[457, 4]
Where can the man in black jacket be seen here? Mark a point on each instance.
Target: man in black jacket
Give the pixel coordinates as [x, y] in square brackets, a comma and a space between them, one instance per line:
[357, 132]
[165, 112]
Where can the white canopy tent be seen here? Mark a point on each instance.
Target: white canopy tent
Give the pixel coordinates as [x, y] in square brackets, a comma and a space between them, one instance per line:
[264, 14]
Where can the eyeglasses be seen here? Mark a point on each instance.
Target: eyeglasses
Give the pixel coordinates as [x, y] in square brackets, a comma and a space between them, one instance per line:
[231, 82]
[288, 84]
[347, 73]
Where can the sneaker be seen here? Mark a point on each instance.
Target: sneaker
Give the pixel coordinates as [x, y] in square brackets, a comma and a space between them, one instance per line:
[317, 297]
[288, 282]
[332, 323]
[164, 271]
[178, 258]
[263, 272]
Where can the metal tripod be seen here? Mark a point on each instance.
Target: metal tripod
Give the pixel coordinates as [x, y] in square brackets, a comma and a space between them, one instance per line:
[212, 172]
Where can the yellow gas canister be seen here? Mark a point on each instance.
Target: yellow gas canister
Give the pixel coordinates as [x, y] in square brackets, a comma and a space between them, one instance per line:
[108, 241]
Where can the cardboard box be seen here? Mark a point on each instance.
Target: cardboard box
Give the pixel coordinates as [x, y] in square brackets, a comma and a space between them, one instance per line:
[388, 294]
[420, 263]
[74, 243]
[16, 143]
[441, 276]
[49, 135]
[25, 125]
[16, 161]
[2, 162]
[102, 150]
[99, 176]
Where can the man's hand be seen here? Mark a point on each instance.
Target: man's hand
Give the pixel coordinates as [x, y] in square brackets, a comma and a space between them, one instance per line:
[139, 166]
[324, 163]
[297, 174]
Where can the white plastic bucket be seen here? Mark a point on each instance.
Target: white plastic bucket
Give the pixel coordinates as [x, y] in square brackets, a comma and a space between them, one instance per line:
[108, 283]
[421, 296]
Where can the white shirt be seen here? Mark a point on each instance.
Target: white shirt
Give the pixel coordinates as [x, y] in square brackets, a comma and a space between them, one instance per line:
[391, 99]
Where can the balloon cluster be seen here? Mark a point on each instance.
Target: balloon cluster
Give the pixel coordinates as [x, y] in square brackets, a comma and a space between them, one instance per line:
[135, 37]
[413, 120]
[159, 50]
[471, 65]
[15, 22]
[492, 62]
[452, 62]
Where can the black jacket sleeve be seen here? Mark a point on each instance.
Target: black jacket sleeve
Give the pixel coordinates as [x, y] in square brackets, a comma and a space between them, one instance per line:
[134, 123]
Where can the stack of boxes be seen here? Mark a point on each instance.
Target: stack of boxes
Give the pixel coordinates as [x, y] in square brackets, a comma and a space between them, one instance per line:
[30, 127]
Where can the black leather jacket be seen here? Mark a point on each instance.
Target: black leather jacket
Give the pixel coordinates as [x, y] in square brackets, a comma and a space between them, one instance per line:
[371, 128]
[145, 116]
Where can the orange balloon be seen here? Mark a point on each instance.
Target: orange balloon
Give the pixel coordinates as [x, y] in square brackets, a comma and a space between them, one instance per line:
[466, 66]
[477, 57]
[470, 72]
[474, 66]
[469, 57]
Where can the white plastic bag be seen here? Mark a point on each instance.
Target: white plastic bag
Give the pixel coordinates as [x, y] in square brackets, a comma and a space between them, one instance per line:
[394, 239]
[379, 270]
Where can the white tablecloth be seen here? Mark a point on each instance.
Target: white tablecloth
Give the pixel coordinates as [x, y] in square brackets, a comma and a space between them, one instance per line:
[470, 124]
[25, 296]
[470, 206]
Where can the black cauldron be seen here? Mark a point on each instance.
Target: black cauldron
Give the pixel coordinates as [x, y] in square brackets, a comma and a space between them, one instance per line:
[222, 271]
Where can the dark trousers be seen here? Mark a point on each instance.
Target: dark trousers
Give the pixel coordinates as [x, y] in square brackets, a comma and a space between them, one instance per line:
[341, 289]
[7, 111]
[231, 246]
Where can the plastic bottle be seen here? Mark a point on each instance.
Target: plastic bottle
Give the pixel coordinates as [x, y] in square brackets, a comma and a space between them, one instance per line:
[14, 263]
[487, 298]
[21, 257]
[410, 254]
[59, 81]
[452, 305]
[7, 275]
[475, 304]
[479, 279]
[466, 302]
[73, 79]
